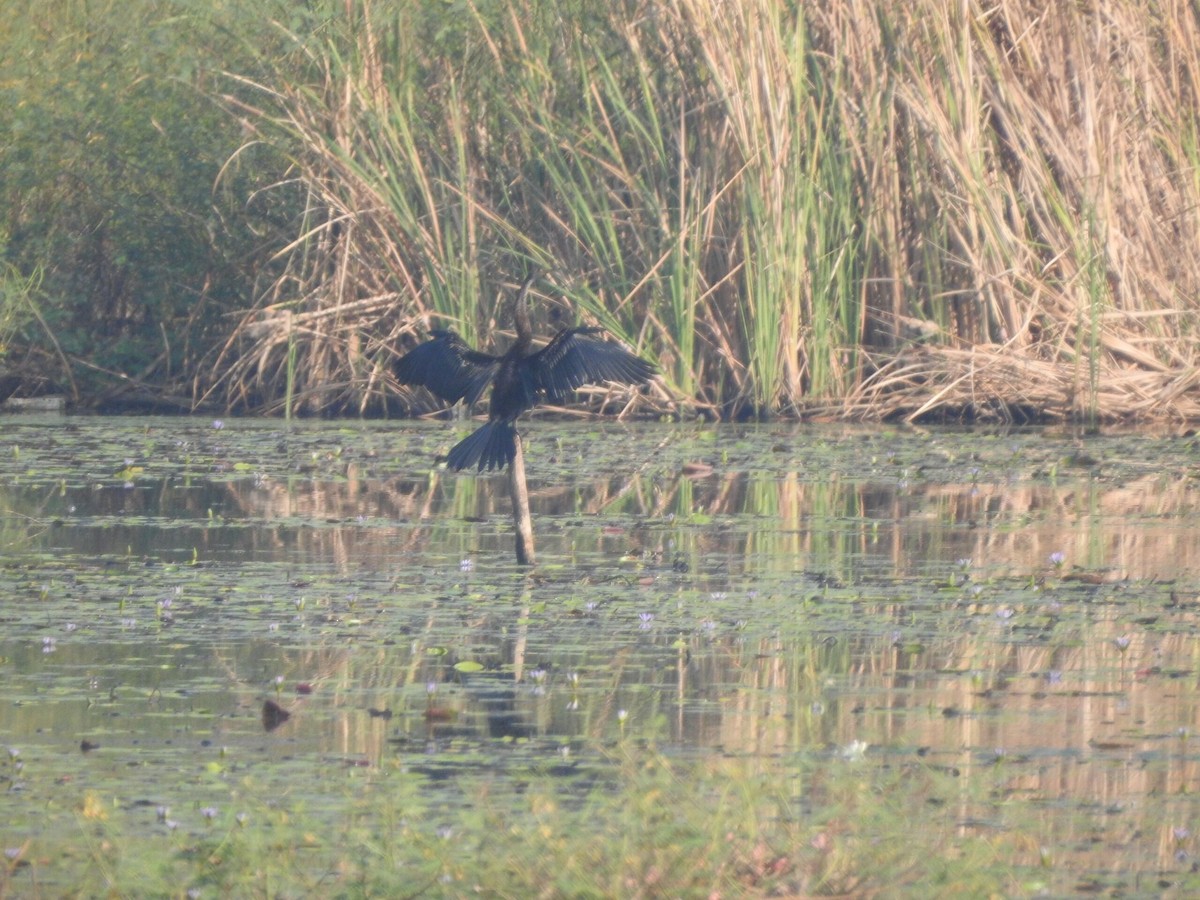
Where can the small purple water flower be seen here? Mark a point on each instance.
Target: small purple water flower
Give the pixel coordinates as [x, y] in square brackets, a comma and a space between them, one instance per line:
[1057, 558]
[466, 565]
[12, 854]
[218, 424]
[49, 645]
[209, 812]
[1181, 833]
[647, 620]
[162, 811]
[1122, 643]
[445, 832]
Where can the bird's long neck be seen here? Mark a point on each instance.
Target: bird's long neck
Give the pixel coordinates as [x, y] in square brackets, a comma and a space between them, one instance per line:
[521, 318]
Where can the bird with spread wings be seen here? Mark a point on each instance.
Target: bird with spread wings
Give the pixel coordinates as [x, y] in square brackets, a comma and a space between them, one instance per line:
[520, 378]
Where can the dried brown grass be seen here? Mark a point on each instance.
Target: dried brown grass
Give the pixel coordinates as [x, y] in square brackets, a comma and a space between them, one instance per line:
[1056, 146]
[989, 382]
[976, 210]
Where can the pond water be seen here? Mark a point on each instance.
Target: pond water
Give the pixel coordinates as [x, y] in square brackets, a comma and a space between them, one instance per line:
[198, 616]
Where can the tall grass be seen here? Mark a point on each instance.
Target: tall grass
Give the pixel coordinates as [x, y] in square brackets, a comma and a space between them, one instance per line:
[849, 208]
[774, 201]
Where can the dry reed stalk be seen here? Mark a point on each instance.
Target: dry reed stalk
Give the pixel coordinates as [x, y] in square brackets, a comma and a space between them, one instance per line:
[993, 383]
[769, 197]
[1034, 181]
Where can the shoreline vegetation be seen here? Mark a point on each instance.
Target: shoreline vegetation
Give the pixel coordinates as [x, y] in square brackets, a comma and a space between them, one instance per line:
[967, 213]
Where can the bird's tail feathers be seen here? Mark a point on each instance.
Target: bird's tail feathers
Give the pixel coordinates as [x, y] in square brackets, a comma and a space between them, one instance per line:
[491, 446]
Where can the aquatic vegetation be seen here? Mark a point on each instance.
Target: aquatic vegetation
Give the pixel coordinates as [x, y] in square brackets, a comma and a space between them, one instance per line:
[794, 676]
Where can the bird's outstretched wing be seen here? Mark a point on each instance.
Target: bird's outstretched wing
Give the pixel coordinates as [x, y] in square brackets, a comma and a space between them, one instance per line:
[575, 358]
[448, 366]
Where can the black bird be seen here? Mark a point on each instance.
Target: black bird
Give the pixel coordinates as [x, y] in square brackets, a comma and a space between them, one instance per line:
[520, 379]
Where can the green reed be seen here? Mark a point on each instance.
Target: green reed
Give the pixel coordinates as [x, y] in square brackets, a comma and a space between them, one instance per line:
[764, 198]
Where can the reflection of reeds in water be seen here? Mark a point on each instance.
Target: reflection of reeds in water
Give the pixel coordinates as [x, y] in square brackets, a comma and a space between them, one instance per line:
[1088, 726]
[1082, 737]
[1131, 531]
[764, 524]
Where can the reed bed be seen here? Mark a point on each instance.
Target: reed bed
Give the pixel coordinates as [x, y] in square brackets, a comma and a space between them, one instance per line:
[877, 211]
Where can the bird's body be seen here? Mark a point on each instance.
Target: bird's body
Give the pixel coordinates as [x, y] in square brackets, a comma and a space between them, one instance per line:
[520, 379]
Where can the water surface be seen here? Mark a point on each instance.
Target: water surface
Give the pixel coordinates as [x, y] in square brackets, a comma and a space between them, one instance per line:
[1018, 608]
